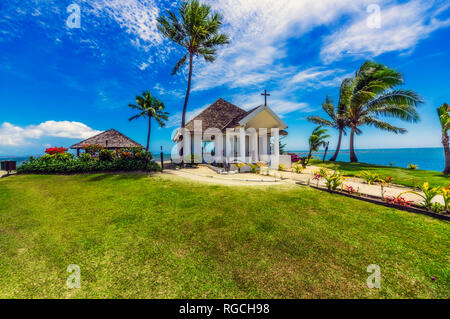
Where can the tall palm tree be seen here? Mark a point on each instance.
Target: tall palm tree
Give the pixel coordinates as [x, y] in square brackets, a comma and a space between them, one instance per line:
[338, 118]
[444, 117]
[149, 107]
[316, 140]
[197, 31]
[371, 94]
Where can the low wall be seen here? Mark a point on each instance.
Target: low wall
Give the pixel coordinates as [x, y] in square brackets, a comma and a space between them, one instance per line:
[286, 161]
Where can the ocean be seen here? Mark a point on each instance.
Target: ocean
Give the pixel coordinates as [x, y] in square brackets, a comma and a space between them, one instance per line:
[431, 159]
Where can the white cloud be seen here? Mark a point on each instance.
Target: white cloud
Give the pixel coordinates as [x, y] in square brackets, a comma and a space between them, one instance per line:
[13, 135]
[137, 17]
[258, 30]
[402, 27]
[318, 77]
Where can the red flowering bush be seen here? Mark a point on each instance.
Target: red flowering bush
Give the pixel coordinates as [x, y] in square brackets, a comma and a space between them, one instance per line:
[349, 189]
[295, 158]
[55, 150]
[400, 201]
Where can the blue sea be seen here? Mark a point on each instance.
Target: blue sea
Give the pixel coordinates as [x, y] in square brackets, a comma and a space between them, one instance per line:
[431, 159]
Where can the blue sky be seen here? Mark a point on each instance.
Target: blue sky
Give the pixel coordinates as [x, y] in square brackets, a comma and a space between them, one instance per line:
[60, 85]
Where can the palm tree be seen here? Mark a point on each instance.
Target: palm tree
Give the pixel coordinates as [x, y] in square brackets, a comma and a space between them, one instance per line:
[444, 117]
[316, 140]
[197, 31]
[370, 94]
[149, 107]
[338, 119]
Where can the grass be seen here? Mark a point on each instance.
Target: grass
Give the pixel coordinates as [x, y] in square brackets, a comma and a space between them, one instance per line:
[402, 176]
[135, 236]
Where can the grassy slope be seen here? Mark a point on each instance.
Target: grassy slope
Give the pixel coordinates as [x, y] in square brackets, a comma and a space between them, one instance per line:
[402, 176]
[135, 236]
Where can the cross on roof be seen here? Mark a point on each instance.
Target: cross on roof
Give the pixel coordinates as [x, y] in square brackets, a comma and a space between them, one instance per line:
[265, 97]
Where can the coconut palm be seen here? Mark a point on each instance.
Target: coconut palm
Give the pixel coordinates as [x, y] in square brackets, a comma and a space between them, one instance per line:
[444, 117]
[338, 119]
[149, 107]
[370, 94]
[316, 140]
[197, 31]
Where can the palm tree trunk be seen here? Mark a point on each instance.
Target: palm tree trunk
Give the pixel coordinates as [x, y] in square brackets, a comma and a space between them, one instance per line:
[149, 130]
[186, 99]
[309, 157]
[338, 147]
[445, 140]
[353, 157]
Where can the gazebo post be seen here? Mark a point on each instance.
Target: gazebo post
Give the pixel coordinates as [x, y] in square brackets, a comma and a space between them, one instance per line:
[78, 152]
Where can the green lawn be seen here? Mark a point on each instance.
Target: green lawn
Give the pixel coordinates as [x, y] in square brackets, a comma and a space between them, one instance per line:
[402, 176]
[135, 236]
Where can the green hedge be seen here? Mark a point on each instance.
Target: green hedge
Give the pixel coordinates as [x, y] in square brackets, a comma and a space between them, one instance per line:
[79, 165]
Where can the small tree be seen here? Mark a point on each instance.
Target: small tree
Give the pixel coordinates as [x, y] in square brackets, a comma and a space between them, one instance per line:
[149, 107]
[316, 140]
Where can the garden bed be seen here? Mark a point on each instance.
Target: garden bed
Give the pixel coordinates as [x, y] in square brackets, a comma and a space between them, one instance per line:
[379, 201]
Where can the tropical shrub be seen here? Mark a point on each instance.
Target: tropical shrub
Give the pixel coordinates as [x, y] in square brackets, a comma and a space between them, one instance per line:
[412, 166]
[66, 163]
[253, 167]
[437, 207]
[332, 179]
[297, 168]
[429, 193]
[369, 177]
[85, 157]
[92, 148]
[281, 167]
[106, 155]
[445, 192]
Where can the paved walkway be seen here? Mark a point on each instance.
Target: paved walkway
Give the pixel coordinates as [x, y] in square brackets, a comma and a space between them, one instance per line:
[204, 174]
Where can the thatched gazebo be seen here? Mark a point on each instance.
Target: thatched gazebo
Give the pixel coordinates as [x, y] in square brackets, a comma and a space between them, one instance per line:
[110, 139]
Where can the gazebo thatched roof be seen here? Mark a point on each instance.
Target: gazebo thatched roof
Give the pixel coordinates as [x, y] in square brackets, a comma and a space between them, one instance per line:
[108, 139]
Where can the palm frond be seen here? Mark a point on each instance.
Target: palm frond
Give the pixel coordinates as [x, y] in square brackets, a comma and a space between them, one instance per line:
[179, 64]
[320, 121]
[368, 120]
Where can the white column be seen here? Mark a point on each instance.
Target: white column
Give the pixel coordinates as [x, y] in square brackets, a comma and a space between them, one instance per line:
[262, 147]
[241, 148]
[275, 156]
[229, 147]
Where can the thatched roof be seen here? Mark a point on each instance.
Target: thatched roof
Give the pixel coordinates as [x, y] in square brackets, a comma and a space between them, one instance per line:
[217, 115]
[222, 115]
[108, 139]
